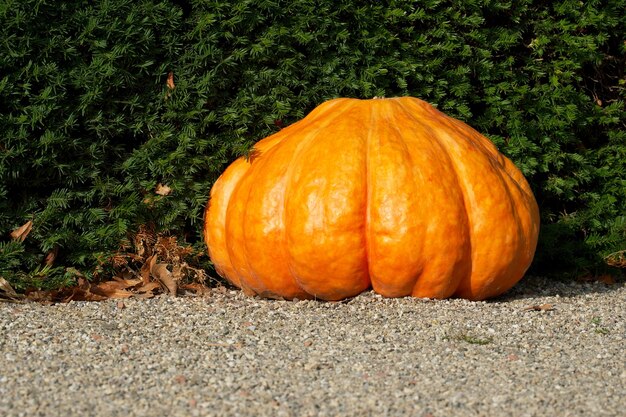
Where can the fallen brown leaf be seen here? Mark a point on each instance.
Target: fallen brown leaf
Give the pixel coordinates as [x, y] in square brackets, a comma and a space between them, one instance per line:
[43, 297]
[148, 288]
[8, 294]
[221, 289]
[84, 291]
[196, 287]
[541, 307]
[127, 282]
[144, 295]
[51, 256]
[121, 305]
[126, 275]
[177, 272]
[170, 81]
[146, 267]
[6, 288]
[165, 277]
[21, 232]
[616, 259]
[607, 279]
[111, 289]
[81, 294]
[163, 189]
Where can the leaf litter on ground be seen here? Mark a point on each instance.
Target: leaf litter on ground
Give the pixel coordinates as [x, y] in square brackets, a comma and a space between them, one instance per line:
[158, 265]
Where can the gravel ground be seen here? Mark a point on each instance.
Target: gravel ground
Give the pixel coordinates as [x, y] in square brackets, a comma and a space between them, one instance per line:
[227, 354]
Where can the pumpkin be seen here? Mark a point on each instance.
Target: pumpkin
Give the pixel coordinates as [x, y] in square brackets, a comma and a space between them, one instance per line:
[388, 194]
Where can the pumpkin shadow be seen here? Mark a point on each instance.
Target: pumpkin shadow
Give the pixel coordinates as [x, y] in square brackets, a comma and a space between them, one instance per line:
[529, 287]
[535, 286]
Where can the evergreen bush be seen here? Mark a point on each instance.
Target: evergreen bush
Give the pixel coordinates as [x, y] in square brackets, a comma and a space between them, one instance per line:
[81, 89]
[104, 103]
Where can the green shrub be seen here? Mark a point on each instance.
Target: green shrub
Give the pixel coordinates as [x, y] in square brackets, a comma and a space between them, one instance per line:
[82, 88]
[90, 128]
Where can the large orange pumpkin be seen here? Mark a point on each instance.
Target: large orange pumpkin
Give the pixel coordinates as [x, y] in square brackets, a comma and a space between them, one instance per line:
[384, 193]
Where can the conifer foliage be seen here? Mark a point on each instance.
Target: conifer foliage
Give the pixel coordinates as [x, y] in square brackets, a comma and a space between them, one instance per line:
[119, 114]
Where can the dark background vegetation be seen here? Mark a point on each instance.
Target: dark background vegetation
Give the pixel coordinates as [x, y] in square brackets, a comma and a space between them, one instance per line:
[89, 127]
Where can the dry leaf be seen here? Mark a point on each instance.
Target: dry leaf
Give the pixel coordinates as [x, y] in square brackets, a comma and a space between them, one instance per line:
[149, 287]
[127, 283]
[177, 272]
[8, 294]
[6, 288]
[161, 273]
[116, 293]
[21, 232]
[86, 291]
[80, 294]
[163, 189]
[607, 279]
[541, 307]
[112, 289]
[144, 295]
[616, 259]
[127, 275]
[221, 289]
[151, 261]
[51, 256]
[196, 287]
[145, 269]
[170, 81]
[43, 297]
[121, 305]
